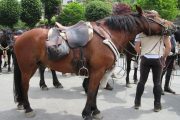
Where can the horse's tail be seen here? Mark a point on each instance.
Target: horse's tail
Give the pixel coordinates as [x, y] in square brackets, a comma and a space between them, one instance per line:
[17, 88]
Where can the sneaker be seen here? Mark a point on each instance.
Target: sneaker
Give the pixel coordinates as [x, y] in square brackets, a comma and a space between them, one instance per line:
[169, 90]
[157, 108]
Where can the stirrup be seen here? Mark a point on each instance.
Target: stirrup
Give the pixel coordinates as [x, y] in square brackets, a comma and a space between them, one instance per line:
[83, 71]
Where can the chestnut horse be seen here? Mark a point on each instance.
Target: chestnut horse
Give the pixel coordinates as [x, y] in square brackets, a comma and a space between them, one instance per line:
[30, 51]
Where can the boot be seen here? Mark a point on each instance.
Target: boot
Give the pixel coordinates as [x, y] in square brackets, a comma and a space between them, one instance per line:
[157, 107]
[166, 86]
[157, 90]
[137, 104]
[139, 92]
[169, 90]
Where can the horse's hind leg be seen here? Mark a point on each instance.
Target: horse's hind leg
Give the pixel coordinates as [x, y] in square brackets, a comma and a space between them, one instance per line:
[56, 82]
[21, 84]
[26, 75]
[42, 83]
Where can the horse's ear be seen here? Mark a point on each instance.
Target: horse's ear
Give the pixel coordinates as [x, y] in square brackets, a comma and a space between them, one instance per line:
[139, 10]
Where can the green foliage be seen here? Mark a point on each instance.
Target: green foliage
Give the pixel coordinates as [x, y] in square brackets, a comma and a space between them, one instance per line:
[53, 20]
[20, 25]
[71, 14]
[9, 12]
[96, 10]
[42, 22]
[166, 8]
[52, 7]
[31, 11]
[124, 1]
[88, 1]
[179, 4]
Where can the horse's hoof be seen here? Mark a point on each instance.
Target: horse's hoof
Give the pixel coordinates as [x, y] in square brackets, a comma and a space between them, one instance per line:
[97, 116]
[58, 86]
[30, 114]
[20, 107]
[44, 87]
[88, 118]
[128, 85]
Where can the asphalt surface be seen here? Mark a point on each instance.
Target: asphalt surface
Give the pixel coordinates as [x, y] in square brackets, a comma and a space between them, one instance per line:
[67, 103]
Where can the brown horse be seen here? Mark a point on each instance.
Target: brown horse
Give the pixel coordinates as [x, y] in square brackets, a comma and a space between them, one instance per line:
[30, 51]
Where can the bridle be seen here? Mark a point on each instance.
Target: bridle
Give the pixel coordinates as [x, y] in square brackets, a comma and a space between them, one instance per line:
[165, 31]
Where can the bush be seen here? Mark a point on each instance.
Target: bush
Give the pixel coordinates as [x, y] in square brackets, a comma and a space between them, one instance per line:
[166, 8]
[9, 12]
[71, 14]
[31, 11]
[96, 10]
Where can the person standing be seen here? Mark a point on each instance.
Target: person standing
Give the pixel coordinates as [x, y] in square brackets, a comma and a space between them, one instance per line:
[153, 50]
[169, 67]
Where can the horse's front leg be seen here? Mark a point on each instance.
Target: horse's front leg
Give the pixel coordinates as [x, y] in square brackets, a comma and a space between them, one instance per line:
[91, 107]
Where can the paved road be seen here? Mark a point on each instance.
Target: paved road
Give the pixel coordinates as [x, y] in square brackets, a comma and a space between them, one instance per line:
[67, 103]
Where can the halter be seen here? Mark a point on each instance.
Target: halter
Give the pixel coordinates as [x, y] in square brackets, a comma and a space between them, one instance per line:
[165, 31]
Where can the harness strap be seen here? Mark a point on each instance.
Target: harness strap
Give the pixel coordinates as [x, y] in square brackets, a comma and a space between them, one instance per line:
[111, 45]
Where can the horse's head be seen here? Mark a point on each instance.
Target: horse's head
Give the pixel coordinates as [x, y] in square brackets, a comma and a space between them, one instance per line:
[6, 38]
[154, 24]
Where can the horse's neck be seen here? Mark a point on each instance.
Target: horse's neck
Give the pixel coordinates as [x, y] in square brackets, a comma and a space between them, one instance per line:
[123, 38]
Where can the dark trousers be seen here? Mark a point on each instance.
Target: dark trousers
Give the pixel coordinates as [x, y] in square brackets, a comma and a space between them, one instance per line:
[156, 66]
[168, 70]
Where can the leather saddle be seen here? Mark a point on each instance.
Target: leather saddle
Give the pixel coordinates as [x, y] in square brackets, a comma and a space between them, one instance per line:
[59, 40]
[77, 35]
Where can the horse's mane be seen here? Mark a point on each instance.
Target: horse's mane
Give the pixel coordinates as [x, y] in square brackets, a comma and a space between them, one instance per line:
[126, 23]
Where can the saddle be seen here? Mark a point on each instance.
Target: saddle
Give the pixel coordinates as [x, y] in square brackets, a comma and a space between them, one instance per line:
[59, 40]
[76, 35]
